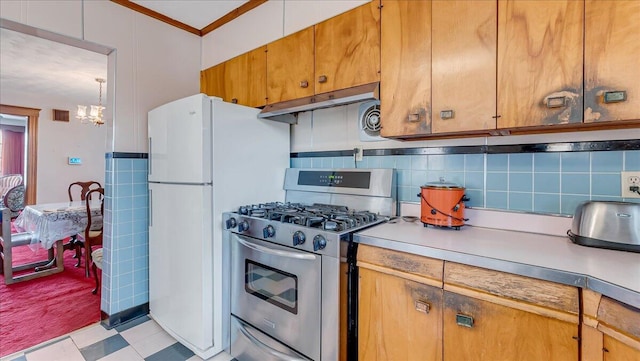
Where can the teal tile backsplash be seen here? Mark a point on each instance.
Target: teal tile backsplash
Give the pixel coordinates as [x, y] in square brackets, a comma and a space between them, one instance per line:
[545, 182]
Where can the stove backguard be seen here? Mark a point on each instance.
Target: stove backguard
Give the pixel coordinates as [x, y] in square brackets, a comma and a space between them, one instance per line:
[363, 189]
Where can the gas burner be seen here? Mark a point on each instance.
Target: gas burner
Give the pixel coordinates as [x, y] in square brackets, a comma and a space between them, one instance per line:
[321, 216]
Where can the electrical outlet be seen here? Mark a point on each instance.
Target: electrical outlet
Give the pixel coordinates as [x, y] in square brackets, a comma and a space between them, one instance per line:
[357, 152]
[630, 184]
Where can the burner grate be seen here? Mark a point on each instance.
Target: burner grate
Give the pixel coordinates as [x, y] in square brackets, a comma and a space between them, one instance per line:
[323, 216]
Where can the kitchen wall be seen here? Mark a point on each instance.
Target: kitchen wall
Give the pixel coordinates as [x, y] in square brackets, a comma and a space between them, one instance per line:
[154, 63]
[533, 182]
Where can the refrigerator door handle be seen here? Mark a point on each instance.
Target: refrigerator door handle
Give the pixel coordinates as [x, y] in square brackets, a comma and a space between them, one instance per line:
[150, 152]
[150, 215]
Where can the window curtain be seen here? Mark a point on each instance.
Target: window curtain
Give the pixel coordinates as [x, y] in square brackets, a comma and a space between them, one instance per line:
[12, 152]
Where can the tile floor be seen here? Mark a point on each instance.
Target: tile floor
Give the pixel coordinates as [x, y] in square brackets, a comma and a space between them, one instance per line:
[137, 340]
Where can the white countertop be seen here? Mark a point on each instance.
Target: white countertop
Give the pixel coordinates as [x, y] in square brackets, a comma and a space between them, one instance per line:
[613, 273]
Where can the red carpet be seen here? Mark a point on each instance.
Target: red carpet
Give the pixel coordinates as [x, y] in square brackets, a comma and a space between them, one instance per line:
[40, 309]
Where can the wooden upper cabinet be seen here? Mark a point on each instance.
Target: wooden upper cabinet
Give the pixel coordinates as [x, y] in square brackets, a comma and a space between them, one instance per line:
[245, 78]
[540, 62]
[290, 73]
[405, 84]
[240, 80]
[464, 40]
[612, 60]
[212, 81]
[348, 49]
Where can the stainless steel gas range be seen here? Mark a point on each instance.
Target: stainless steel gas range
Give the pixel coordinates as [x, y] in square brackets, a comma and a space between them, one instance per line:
[286, 260]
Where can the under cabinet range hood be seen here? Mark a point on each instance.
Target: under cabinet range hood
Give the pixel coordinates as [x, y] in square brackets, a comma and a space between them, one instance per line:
[286, 111]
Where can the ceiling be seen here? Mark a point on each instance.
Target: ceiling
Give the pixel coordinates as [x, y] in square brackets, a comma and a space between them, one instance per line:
[34, 65]
[195, 13]
[38, 66]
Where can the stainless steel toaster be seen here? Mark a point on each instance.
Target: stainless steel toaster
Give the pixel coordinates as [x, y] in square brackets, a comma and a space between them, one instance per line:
[605, 224]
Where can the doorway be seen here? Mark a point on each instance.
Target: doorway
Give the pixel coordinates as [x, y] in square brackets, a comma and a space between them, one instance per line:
[31, 139]
[51, 141]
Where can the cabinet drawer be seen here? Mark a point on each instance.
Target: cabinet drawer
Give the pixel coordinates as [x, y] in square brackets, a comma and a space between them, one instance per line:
[510, 286]
[417, 268]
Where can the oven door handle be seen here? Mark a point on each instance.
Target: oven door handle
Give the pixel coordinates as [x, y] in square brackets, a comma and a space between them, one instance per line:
[266, 348]
[276, 252]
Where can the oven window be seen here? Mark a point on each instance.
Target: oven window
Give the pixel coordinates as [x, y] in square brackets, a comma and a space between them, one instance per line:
[272, 285]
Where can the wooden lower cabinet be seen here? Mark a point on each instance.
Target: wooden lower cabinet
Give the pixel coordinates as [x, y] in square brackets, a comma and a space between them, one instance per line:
[398, 319]
[610, 329]
[614, 350]
[475, 329]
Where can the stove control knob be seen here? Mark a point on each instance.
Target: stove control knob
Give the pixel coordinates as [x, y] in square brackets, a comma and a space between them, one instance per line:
[319, 242]
[299, 238]
[268, 231]
[231, 223]
[243, 226]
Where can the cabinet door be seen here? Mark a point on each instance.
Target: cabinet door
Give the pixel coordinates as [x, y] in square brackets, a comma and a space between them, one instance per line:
[405, 93]
[212, 81]
[245, 78]
[290, 67]
[464, 37]
[615, 350]
[503, 333]
[348, 49]
[612, 60]
[398, 319]
[540, 52]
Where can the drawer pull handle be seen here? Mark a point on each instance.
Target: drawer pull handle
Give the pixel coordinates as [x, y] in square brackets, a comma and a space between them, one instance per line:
[556, 102]
[464, 320]
[422, 306]
[447, 114]
[304, 84]
[415, 117]
[322, 79]
[615, 96]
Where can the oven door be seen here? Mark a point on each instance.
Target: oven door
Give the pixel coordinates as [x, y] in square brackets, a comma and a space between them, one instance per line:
[277, 290]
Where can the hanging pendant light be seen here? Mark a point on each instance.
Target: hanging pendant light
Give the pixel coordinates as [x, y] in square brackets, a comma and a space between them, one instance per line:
[95, 112]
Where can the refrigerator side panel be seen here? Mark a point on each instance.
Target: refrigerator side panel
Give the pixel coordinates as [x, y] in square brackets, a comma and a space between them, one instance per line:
[180, 263]
[180, 141]
[250, 156]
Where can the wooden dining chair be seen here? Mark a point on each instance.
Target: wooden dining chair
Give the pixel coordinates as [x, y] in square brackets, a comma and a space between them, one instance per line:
[77, 192]
[92, 237]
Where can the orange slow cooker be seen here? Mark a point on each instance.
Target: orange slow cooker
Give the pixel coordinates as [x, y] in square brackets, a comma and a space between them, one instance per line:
[442, 204]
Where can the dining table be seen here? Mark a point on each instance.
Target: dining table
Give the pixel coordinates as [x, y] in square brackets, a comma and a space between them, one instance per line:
[51, 223]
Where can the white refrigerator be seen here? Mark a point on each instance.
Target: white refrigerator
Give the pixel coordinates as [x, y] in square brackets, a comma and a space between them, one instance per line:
[206, 157]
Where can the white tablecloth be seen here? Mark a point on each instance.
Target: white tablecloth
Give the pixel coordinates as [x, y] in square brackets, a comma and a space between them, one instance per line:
[54, 221]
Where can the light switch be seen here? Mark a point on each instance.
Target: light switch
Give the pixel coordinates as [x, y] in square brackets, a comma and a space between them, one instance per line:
[75, 160]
